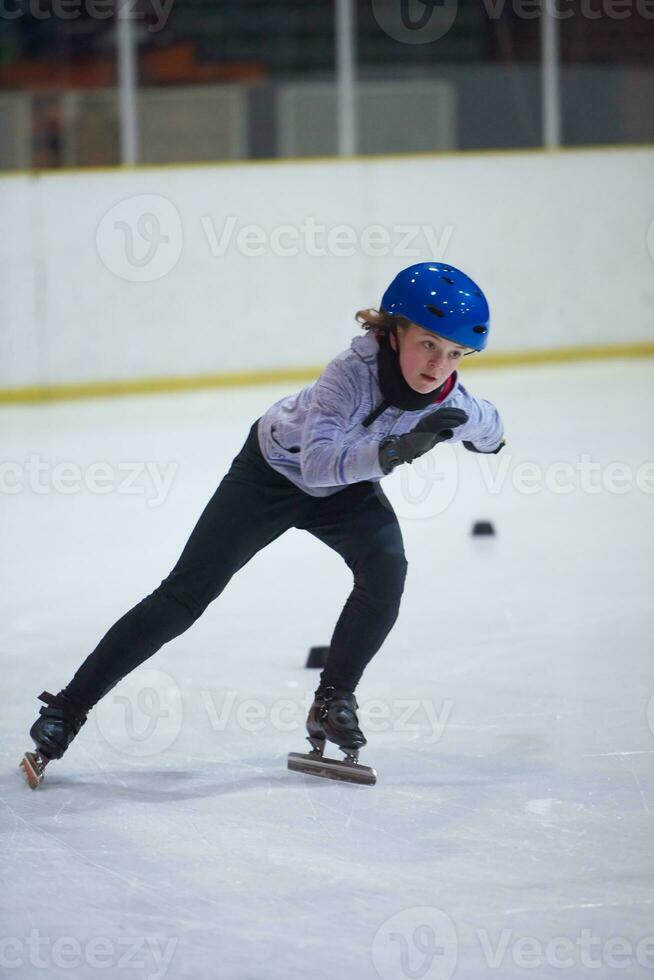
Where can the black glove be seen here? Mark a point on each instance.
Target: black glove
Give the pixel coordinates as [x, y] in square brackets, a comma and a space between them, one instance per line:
[430, 430]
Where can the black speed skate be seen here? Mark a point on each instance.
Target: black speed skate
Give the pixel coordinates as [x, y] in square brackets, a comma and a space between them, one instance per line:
[333, 717]
[52, 732]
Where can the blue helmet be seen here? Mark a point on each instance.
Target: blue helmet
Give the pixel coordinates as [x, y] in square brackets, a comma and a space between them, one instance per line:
[442, 299]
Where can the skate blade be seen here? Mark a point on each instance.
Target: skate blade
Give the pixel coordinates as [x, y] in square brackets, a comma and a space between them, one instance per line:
[33, 766]
[346, 772]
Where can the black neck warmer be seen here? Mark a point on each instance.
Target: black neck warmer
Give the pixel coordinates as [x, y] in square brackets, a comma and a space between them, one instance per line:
[395, 390]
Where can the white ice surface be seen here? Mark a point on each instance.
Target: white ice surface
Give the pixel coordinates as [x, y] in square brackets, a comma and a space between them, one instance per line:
[509, 713]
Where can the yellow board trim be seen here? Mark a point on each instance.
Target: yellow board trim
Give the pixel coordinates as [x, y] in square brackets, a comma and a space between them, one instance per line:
[336, 160]
[167, 385]
[561, 355]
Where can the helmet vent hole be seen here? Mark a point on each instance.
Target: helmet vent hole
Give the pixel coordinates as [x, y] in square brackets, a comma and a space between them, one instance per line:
[435, 310]
[479, 329]
[448, 280]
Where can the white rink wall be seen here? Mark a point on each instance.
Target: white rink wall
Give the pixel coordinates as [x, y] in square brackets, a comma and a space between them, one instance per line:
[114, 275]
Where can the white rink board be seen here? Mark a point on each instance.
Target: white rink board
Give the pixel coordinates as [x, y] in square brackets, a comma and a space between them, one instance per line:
[558, 241]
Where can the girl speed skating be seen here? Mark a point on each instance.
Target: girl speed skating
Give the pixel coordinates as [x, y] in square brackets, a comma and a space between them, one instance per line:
[314, 461]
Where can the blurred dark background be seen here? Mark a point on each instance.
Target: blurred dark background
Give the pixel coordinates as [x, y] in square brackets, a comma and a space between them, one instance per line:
[223, 79]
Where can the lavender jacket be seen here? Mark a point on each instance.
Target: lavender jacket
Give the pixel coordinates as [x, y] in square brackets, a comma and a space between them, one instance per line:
[316, 438]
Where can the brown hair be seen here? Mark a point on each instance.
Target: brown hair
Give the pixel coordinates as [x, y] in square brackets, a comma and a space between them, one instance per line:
[380, 322]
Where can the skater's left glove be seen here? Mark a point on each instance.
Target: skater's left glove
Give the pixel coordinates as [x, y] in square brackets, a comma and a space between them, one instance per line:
[492, 452]
[436, 427]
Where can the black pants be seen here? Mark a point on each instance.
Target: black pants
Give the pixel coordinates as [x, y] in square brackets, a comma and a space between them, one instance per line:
[252, 507]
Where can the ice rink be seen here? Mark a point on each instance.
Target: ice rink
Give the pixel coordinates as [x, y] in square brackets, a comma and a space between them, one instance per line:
[510, 713]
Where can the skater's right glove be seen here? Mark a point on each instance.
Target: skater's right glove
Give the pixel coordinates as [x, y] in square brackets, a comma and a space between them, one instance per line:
[436, 427]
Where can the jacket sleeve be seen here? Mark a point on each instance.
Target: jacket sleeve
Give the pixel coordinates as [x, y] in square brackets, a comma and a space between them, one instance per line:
[324, 460]
[483, 431]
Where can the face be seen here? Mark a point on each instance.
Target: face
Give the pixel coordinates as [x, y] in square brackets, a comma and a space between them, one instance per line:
[426, 360]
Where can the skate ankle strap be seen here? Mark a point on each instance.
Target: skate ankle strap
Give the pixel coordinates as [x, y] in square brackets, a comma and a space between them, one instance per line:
[61, 702]
[333, 692]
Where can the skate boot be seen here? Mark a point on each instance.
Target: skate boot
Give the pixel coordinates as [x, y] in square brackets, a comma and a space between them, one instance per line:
[333, 717]
[52, 732]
